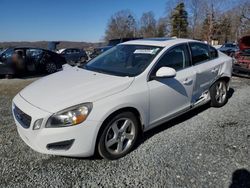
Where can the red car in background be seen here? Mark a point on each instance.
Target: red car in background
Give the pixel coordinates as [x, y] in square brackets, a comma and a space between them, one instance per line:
[241, 65]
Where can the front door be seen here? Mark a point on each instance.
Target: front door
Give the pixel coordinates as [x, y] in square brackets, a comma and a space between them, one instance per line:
[168, 96]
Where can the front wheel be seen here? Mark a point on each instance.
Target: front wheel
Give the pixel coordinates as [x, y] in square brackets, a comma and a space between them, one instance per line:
[50, 67]
[119, 136]
[218, 93]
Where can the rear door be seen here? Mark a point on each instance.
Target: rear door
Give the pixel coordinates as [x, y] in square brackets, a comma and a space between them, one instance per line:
[206, 66]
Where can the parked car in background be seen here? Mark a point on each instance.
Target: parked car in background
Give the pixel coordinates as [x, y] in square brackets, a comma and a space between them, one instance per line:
[229, 48]
[23, 60]
[112, 43]
[105, 105]
[52, 45]
[241, 64]
[98, 51]
[217, 46]
[74, 56]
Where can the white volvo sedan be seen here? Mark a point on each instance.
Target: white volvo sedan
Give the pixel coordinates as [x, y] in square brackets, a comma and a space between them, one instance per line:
[104, 106]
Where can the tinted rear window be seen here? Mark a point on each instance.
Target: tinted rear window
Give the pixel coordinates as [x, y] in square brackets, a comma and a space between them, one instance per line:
[213, 52]
[200, 52]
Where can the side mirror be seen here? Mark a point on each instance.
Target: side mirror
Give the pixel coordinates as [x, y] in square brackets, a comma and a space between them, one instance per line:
[166, 72]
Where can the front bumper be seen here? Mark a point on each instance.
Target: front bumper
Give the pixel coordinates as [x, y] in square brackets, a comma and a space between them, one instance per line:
[83, 136]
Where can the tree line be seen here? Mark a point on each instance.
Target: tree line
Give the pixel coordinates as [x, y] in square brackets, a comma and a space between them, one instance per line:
[207, 20]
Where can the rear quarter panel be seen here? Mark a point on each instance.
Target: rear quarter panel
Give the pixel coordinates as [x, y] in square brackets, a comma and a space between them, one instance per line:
[226, 66]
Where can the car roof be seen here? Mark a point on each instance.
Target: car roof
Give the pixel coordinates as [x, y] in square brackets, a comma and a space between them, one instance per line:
[104, 47]
[34, 48]
[26, 48]
[161, 42]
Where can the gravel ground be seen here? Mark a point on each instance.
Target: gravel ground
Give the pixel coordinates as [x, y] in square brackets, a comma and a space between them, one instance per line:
[207, 147]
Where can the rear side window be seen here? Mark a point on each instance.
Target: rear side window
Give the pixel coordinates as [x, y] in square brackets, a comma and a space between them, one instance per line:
[213, 52]
[200, 52]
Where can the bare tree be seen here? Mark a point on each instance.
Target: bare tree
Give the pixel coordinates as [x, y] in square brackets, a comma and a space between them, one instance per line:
[244, 19]
[121, 25]
[148, 25]
[239, 20]
[196, 16]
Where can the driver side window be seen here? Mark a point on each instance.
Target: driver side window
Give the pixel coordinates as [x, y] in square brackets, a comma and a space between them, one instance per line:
[176, 58]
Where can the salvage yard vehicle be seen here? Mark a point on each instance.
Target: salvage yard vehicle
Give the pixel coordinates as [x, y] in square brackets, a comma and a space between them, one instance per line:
[229, 48]
[241, 66]
[23, 61]
[98, 51]
[105, 105]
[74, 56]
[112, 43]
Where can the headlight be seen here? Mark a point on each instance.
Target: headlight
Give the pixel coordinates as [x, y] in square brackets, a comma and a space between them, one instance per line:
[70, 116]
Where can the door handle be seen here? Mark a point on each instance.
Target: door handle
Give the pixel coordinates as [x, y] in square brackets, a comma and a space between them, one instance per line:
[187, 81]
[215, 70]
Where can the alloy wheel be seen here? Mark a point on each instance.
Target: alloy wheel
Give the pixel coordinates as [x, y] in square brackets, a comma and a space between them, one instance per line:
[120, 136]
[221, 92]
[51, 68]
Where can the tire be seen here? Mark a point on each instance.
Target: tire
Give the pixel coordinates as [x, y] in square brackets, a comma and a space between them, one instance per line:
[50, 67]
[118, 136]
[8, 76]
[218, 93]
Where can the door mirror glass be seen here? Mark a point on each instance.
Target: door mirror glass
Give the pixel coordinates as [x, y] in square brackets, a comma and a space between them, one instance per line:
[166, 72]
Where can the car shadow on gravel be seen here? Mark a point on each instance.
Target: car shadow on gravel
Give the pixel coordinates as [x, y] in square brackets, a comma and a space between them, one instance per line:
[184, 117]
[240, 179]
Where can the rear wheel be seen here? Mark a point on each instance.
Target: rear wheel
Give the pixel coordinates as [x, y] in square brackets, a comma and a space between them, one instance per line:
[119, 136]
[50, 67]
[218, 93]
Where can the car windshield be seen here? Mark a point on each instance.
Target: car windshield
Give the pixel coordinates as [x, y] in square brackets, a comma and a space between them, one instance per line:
[246, 51]
[124, 60]
[8, 52]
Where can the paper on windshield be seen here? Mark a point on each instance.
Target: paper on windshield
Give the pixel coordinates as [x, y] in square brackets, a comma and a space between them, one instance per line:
[146, 51]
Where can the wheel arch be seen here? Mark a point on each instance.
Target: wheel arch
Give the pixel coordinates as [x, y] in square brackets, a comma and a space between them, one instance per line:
[134, 110]
[224, 78]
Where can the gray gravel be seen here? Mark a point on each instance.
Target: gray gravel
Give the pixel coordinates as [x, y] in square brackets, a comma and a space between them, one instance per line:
[202, 148]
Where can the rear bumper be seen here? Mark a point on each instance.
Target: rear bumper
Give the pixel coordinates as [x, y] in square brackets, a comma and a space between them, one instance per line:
[240, 70]
[79, 140]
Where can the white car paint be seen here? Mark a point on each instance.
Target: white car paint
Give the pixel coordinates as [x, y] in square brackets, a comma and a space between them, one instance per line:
[78, 86]
[156, 101]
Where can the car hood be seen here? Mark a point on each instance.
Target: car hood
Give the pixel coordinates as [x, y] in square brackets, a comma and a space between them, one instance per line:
[71, 87]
